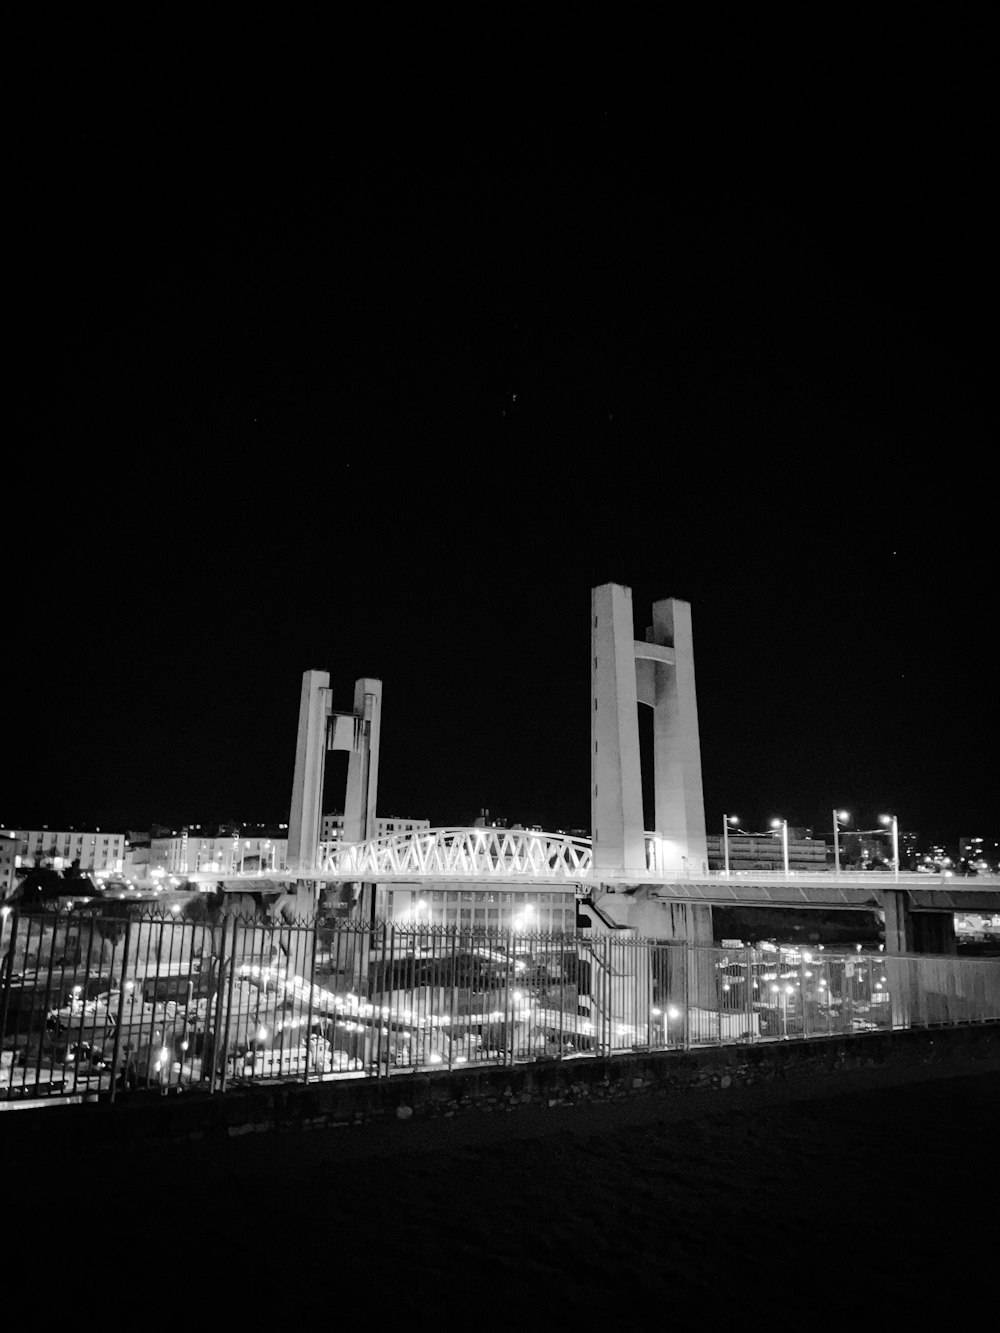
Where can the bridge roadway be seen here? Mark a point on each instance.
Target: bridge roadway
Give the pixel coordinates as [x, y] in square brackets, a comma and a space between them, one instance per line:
[491, 858]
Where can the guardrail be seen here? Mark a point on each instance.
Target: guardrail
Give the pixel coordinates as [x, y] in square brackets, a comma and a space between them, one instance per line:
[511, 868]
[100, 1002]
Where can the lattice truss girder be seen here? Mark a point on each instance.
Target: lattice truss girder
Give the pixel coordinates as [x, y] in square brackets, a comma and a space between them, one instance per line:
[464, 853]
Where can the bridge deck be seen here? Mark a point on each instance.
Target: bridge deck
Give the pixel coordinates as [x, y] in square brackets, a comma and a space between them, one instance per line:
[479, 858]
[807, 890]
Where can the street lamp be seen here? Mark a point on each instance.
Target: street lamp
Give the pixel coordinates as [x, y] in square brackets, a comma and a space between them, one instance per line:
[893, 822]
[726, 821]
[783, 825]
[839, 817]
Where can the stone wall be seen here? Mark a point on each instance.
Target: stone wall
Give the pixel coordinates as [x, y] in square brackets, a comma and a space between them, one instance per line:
[548, 1083]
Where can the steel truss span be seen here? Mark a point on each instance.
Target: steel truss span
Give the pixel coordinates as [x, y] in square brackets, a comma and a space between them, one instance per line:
[461, 853]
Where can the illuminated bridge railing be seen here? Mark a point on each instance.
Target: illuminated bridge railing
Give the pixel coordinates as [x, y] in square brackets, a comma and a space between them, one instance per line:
[463, 853]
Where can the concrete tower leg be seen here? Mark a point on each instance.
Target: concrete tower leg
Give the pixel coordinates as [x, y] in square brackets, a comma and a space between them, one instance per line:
[307, 783]
[362, 780]
[678, 797]
[617, 822]
[362, 767]
[659, 673]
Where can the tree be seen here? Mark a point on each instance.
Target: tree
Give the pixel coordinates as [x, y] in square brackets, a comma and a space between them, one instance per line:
[111, 924]
[40, 886]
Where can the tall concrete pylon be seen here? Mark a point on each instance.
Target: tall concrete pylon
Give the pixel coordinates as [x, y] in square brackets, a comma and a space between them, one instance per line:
[658, 672]
[321, 729]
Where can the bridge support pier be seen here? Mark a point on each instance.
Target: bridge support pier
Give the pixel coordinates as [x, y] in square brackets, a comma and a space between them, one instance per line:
[691, 924]
[665, 923]
[910, 932]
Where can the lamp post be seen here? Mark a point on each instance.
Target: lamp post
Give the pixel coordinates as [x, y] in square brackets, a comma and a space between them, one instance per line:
[839, 817]
[726, 821]
[893, 823]
[783, 825]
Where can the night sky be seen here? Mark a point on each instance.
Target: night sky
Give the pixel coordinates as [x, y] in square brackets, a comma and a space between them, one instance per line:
[391, 402]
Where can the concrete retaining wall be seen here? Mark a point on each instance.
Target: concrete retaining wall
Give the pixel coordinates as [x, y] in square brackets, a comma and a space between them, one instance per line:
[442, 1095]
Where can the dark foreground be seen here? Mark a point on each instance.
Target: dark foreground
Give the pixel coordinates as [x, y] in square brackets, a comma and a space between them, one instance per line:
[719, 1211]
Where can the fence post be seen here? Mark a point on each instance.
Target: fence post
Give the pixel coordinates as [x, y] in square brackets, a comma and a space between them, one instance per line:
[509, 1006]
[562, 991]
[608, 993]
[748, 994]
[231, 980]
[83, 1009]
[387, 972]
[47, 1004]
[219, 977]
[312, 985]
[116, 1049]
[847, 1005]
[718, 973]
[6, 971]
[185, 1043]
[453, 1006]
[802, 995]
[598, 990]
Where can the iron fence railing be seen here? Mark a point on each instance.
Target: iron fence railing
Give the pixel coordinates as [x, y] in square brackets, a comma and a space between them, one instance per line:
[105, 1000]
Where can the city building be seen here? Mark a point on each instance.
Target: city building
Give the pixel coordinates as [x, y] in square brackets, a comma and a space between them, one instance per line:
[873, 847]
[908, 846]
[979, 856]
[750, 851]
[227, 850]
[8, 865]
[332, 826]
[97, 852]
[476, 907]
[137, 851]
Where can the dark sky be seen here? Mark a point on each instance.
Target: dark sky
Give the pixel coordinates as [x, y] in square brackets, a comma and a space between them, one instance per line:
[391, 402]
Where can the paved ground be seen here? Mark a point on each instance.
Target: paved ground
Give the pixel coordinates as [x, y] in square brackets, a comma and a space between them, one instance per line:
[776, 1208]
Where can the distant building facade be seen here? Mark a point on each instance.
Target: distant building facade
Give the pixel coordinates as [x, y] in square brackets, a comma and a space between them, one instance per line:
[332, 826]
[979, 856]
[183, 852]
[8, 865]
[480, 906]
[97, 852]
[749, 851]
[137, 851]
[236, 849]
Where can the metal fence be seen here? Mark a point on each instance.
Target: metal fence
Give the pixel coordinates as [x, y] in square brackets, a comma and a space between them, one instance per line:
[103, 1001]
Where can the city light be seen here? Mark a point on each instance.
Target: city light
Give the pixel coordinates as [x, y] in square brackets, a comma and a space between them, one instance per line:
[893, 822]
[782, 824]
[727, 821]
[839, 817]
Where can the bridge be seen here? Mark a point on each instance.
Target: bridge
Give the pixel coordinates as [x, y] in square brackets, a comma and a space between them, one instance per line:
[627, 878]
[493, 857]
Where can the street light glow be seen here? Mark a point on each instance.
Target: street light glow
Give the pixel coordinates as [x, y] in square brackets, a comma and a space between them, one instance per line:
[894, 823]
[726, 821]
[783, 825]
[839, 817]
